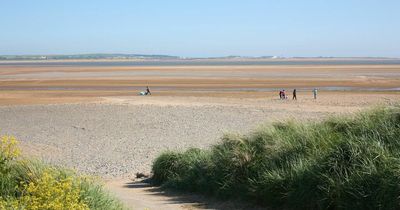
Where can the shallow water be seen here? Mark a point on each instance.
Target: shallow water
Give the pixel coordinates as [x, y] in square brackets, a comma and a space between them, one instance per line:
[128, 88]
[209, 62]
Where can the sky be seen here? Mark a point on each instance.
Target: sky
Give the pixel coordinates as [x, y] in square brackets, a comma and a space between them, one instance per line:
[206, 28]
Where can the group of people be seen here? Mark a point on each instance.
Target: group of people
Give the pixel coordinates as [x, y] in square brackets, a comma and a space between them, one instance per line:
[283, 95]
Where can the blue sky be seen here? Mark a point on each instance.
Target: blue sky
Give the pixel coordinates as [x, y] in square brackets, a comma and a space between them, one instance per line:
[202, 28]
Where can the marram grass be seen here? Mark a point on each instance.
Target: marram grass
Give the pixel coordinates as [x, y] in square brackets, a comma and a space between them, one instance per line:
[31, 185]
[338, 163]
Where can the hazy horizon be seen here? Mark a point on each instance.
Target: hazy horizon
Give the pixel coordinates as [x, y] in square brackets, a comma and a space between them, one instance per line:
[203, 57]
[202, 29]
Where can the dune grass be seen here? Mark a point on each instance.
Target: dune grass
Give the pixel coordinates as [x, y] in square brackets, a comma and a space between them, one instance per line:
[29, 184]
[338, 163]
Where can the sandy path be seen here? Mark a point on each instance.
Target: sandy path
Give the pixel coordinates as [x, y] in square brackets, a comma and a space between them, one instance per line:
[143, 196]
[140, 195]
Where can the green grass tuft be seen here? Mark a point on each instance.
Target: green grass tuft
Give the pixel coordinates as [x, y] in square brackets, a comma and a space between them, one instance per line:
[339, 163]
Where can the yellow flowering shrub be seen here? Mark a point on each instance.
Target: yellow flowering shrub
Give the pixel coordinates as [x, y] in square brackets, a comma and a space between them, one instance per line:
[30, 185]
[44, 191]
[48, 193]
[9, 204]
[8, 148]
[8, 153]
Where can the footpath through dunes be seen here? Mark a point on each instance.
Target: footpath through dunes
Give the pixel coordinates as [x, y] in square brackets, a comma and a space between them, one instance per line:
[142, 195]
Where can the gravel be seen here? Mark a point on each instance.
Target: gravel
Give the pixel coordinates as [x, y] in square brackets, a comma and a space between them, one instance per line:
[117, 140]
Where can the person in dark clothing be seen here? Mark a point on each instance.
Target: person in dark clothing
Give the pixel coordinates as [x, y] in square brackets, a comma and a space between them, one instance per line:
[294, 94]
[148, 91]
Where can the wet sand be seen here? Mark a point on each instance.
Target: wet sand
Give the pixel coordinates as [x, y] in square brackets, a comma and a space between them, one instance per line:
[33, 84]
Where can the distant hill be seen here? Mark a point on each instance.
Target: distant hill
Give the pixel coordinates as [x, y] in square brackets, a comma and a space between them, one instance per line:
[94, 56]
[85, 56]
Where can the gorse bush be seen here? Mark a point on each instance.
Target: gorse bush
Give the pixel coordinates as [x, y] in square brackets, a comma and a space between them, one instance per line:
[32, 185]
[8, 153]
[48, 192]
[339, 163]
[8, 148]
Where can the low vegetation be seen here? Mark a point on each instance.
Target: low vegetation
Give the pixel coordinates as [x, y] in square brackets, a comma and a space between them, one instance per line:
[26, 184]
[338, 163]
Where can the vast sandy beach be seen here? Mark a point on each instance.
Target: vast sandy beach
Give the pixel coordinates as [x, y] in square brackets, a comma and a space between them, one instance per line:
[51, 82]
[218, 105]
[91, 118]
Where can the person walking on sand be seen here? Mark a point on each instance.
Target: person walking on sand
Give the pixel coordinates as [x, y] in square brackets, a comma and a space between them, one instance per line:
[294, 94]
[315, 93]
[280, 94]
